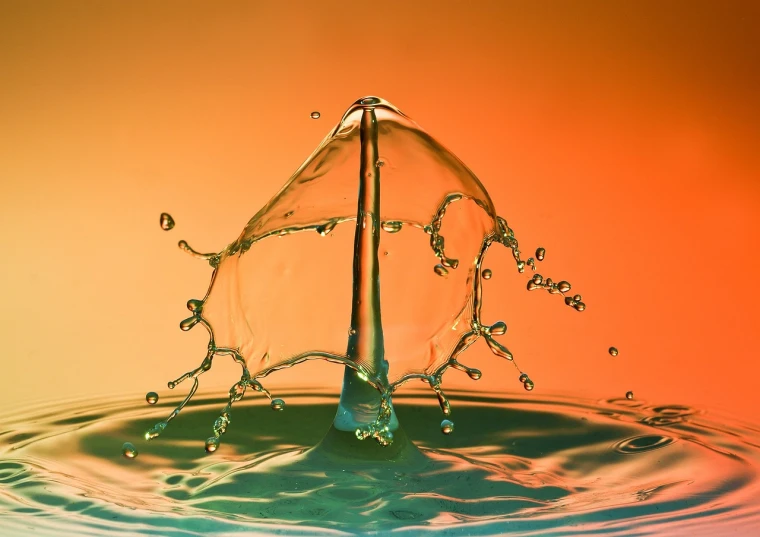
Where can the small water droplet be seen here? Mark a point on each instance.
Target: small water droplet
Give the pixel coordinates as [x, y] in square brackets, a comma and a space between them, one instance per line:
[580, 306]
[447, 426]
[351, 331]
[474, 374]
[487, 274]
[613, 351]
[629, 395]
[380, 162]
[325, 229]
[528, 385]
[540, 253]
[212, 444]
[288, 214]
[151, 398]
[188, 323]
[538, 279]
[194, 305]
[277, 404]
[563, 286]
[391, 226]
[498, 328]
[523, 378]
[129, 450]
[577, 298]
[315, 115]
[167, 222]
[441, 270]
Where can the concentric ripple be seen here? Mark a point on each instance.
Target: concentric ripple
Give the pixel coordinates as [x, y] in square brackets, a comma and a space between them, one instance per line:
[517, 466]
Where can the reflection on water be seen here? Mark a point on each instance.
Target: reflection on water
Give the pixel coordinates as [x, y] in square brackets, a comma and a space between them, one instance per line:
[523, 467]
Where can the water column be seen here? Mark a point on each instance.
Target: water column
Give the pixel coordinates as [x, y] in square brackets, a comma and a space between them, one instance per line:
[359, 402]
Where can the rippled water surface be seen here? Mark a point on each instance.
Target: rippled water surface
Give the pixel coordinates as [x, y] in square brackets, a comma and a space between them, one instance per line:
[512, 466]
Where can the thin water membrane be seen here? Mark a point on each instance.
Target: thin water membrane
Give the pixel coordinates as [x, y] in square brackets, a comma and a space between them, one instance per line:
[370, 256]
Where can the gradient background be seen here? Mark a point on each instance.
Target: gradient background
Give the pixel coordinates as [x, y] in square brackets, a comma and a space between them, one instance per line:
[621, 136]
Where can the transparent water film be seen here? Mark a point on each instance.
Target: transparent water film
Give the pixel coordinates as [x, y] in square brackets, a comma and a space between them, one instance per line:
[371, 257]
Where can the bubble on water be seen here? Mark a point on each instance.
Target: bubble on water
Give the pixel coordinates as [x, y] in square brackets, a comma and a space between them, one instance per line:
[151, 398]
[563, 286]
[613, 351]
[487, 273]
[315, 115]
[447, 426]
[212, 444]
[277, 404]
[129, 450]
[629, 395]
[540, 253]
[166, 221]
[441, 270]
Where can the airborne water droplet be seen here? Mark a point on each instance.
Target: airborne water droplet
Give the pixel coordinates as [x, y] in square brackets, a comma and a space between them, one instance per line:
[441, 270]
[391, 226]
[277, 404]
[563, 286]
[580, 306]
[523, 378]
[498, 328]
[315, 115]
[487, 274]
[540, 253]
[629, 395]
[613, 351]
[212, 444]
[151, 398]
[167, 222]
[194, 304]
[447, 426]
[129, 450]
[528, 384]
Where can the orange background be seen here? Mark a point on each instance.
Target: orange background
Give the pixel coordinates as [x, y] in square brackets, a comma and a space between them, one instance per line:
[621, 136]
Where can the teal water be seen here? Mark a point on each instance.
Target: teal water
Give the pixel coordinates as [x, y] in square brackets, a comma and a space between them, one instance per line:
[516, 466]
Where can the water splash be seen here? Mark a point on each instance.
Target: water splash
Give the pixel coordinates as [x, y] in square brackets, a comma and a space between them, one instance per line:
[426, 189]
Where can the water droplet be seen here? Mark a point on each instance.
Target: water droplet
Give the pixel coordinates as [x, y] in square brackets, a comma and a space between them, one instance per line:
[188, 323]
[212, 444]
[441, 270]
[151, 398]
[194, 305]
[498, 328]
[563, 286]
[447, 426]
[289, 214]
[129, 450]
[380, 163]
[487, 274]
[580, 306]
[521, 266]
[167, 222]
[391, 226]
[629, 395]
[315, 115]
[613, 351]
[538, 279]
[474, 374]
[577, 298]
[528, 385]
[540, 253]
[325, 229]
[277, 404]
[370, 100]
[155, 431]
[523, 378]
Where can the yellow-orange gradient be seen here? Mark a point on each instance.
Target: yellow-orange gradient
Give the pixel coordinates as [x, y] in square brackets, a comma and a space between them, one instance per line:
[621, 136]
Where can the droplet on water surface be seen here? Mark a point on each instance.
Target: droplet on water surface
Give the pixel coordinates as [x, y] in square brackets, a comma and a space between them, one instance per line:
[613, 351]
[167, 222]
[315, 115]
[447, 426]
[151, 398]
[129, 450]
[487, 274]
